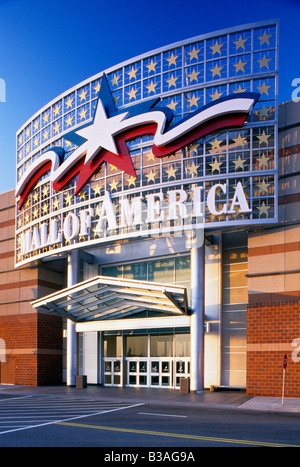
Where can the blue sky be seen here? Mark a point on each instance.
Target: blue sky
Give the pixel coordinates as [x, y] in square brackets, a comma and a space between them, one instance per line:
[48, 47]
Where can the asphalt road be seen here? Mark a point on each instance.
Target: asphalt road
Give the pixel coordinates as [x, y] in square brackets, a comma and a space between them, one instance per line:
[122, 428]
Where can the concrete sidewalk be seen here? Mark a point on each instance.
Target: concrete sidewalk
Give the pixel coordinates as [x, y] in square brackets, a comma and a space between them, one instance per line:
[220, 399]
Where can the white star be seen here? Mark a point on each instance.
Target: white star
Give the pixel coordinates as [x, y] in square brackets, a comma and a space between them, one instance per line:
[100, 134]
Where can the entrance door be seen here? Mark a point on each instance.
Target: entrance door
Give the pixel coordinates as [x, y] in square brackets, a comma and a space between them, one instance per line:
[113, 374]
[137, 372]
[161, 372]
[181, 370]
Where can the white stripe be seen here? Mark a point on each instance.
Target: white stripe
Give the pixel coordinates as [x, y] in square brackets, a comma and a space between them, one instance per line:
[69, 419]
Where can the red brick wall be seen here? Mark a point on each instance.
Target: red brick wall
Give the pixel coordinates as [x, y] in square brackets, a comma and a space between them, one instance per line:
[33, 348]
[30, 342]
[271, 330]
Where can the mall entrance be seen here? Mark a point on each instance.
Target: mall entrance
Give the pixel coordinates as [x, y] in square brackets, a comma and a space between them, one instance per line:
[151, 360]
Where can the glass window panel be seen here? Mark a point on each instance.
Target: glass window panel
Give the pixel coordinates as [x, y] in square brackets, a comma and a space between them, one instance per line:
[182, 345]
[143, 380]
[136, 271]
[112, 346]
[161, 271]
[113, 271]
[136, 346]
[161, 346]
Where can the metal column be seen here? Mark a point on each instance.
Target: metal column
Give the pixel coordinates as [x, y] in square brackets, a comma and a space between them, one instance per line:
[73, 278]
[197, 318]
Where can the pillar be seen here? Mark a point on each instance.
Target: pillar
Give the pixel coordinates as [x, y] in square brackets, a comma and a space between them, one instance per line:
[73, 278]
[197, 318]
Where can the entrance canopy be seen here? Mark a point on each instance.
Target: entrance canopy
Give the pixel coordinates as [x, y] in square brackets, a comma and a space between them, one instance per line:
[104, 298]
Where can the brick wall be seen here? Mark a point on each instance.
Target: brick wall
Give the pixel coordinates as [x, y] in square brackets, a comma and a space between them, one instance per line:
[272, 331]
[30, 341]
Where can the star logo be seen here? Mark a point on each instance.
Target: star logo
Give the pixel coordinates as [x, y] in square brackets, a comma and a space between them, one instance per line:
[103, 140]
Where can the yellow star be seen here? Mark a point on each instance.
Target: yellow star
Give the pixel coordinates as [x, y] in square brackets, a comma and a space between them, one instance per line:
[151, 176]
[152, 66]
[46, 134]
[45, 208]
[96, 189]
[216, 95]
[172, 81]
[263, 209]
[56, 127]
[265, 38]
[263, 161]
[264, 62]
[239, 163]
[132, 94]
[216, 144]
[132, 73]
[97, 88]
[28, 132]
[264, 89]
[55, 203]
[193, 148]
[172, 105]
[113, 185]
[216, 70]
[151, 87]
[46, 118]
[82, 196]
[240, 66]
[115, 80]
[240, 43]
[194, 54]
[83, 95]
[193, 101]
[216, 48]
[240, 140]
[69, 102]
[56, 110]
[36, 141]
[172, 59]
[193, 76]
[216, 165]
[36, 125]
[171, 172]
[263, 138]
[193, 169]
[69, 120]
[26, 218]
[263, 187]
[68, 199]
[35, 196]
[131, 181]
[45, 191]
[82, 114]
[239, 90]
[35, 213]
[150, 156]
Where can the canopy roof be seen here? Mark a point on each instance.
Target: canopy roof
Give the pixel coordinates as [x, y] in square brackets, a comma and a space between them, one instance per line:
[104, 298]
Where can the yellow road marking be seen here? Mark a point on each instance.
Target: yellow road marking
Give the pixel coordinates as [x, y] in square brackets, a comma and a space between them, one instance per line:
[179, 435]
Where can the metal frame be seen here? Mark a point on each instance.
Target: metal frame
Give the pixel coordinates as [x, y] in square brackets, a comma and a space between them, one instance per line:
[27, 218]
[103, 298]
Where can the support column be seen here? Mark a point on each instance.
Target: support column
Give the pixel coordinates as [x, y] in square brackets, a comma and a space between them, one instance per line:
[197, 318]
[73, 278]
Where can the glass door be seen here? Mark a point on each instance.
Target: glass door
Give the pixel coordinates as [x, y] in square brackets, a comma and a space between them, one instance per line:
[181, 370]
[113, 375]
[161, 372]
[137, 372]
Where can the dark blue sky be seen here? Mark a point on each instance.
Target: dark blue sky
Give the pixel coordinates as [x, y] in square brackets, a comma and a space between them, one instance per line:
[48, 47]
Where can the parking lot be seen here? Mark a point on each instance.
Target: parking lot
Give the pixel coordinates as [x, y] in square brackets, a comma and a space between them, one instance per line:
[18, 413]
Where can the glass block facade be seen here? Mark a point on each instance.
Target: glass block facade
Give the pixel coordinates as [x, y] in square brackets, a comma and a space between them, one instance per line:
[185, 76]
